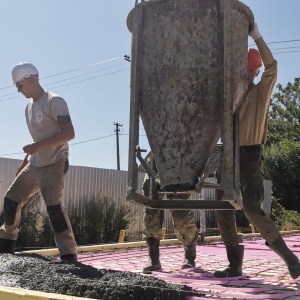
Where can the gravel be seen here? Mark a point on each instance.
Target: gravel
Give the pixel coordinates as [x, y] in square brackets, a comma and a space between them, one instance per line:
[47, 274]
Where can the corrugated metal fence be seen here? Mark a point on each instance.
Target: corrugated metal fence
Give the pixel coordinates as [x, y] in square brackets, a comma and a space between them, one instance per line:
[84, 182]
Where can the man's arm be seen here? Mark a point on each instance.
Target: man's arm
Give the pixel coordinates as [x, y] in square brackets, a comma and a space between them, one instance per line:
[66, 134]
[265, 52]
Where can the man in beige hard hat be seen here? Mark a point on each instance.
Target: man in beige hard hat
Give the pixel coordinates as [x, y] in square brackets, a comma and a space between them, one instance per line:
[45, 165]
[253, 131]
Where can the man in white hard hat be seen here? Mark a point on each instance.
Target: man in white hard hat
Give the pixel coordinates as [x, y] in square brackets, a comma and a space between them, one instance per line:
[45, 165]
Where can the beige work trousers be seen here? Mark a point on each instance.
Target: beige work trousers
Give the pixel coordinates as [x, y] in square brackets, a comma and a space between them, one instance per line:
[49, 180]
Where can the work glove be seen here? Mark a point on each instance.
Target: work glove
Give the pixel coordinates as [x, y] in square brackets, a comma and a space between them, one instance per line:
[254, 32]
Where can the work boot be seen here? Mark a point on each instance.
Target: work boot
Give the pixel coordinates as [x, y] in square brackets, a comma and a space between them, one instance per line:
[235, 255]
[189, 256]
[7, 246]
[153, 251]
[290, 259]
[69, 258]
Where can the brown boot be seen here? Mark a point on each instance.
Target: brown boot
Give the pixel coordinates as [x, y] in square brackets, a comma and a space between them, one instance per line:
[235, 255]
[153, 251]
[290, 259]
[7, 246]
[189, 256]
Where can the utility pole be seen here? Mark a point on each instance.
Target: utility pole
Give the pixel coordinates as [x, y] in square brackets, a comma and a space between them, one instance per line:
[117, 138]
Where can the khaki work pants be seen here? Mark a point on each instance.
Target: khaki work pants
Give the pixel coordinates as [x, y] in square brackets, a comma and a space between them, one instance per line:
[183, 221]
[49, 180]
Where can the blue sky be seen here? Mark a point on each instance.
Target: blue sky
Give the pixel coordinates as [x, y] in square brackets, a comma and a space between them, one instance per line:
[78, 47]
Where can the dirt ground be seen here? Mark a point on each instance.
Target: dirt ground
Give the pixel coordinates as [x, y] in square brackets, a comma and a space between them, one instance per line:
[47, 274]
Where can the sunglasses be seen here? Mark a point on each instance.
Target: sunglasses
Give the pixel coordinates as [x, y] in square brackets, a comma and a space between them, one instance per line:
[19, 86]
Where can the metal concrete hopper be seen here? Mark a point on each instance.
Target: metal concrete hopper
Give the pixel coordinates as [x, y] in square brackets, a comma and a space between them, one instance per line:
[189, 61]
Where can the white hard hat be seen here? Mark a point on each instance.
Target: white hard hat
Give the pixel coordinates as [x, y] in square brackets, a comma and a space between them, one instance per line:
[23, 70]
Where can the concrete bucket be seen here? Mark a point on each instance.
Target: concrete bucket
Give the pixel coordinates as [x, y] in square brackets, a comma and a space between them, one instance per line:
[188, 71]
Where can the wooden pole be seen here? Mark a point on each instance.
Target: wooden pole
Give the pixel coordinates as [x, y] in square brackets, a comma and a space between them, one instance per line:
[121, 236]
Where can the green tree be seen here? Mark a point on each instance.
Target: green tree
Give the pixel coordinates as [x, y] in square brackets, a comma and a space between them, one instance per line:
[282, 216]
[284, 117]
[282, 167]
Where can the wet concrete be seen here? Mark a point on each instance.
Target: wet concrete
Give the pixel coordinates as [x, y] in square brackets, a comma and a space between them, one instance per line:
[47, 274]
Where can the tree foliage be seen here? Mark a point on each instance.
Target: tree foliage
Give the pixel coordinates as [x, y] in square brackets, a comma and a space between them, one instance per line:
[282, 162]
[282, 167]
[284, 117]
[282, 217]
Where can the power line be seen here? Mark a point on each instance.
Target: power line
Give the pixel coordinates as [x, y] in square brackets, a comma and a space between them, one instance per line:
[288, 41]
[7, 99]
[7, 154]
[84, 67]
[73, 70]
[11, 98]
[285, 48]
[286, 52]
[91, 78]
[279, 42]
[74, 77]
[86, 74]
[99, 138]
[83, 142]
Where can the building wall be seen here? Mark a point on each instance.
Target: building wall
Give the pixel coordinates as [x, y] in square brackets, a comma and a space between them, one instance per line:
[87, 181]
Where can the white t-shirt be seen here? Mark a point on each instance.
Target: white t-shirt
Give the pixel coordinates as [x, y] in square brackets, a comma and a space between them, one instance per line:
[41, 118]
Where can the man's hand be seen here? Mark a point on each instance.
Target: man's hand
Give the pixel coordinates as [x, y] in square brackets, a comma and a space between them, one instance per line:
[31, 148]
[254, 32]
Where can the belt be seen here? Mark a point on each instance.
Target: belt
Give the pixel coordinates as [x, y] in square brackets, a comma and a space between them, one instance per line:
[252, 148]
